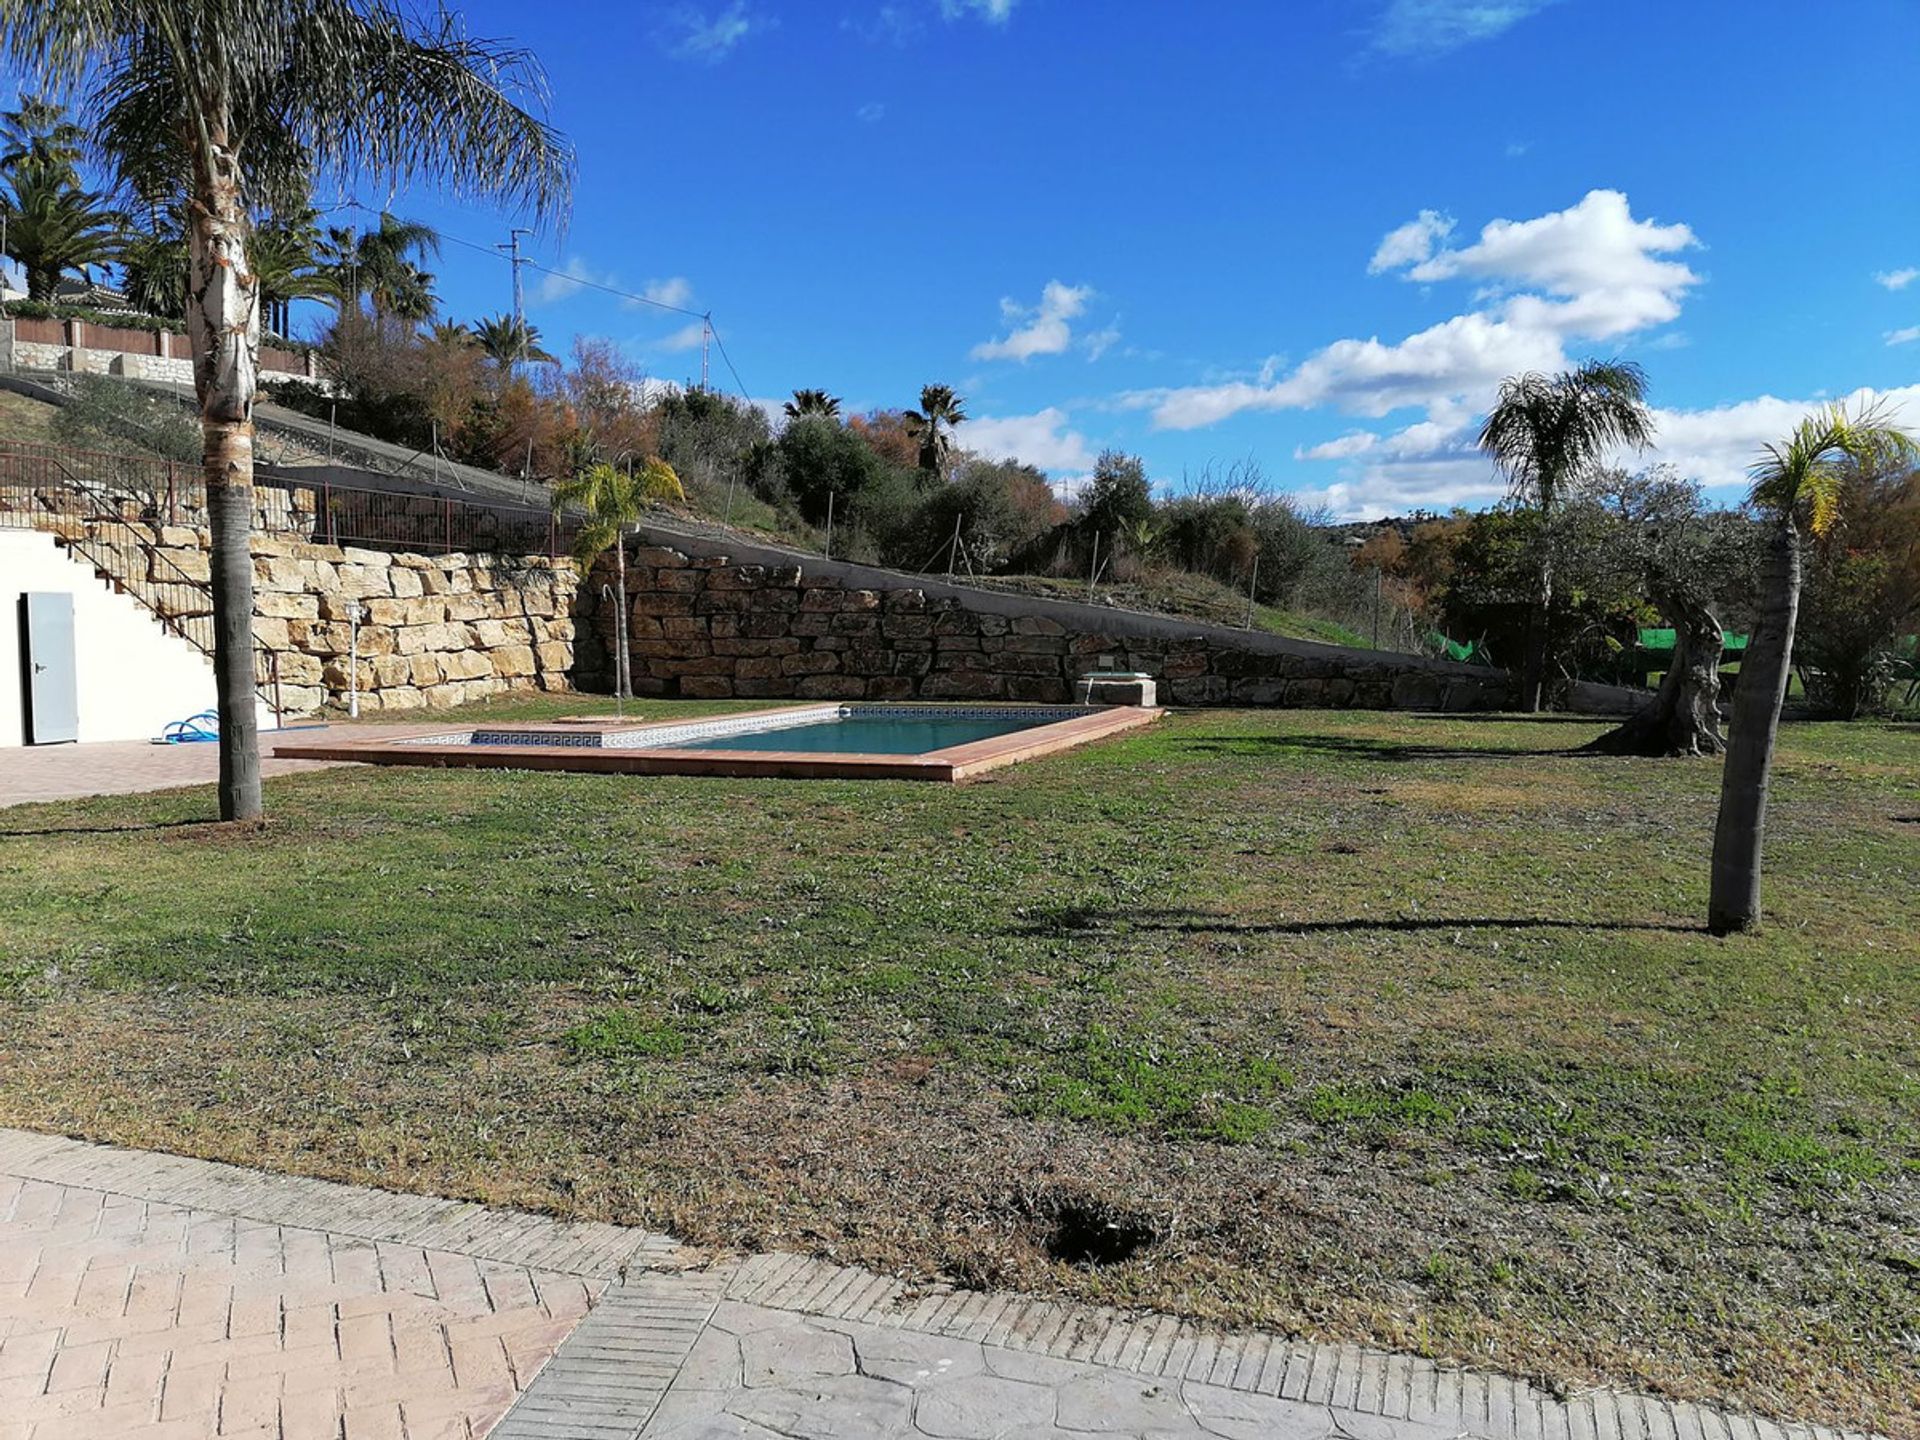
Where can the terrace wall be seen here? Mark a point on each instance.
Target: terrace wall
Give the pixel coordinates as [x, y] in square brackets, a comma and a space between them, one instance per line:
[439, 630]
[705, 627]
[37, 343]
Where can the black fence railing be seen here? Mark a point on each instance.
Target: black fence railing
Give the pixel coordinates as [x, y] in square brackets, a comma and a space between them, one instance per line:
[322, 507]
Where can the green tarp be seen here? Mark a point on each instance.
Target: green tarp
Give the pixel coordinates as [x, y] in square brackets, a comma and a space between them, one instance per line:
[1660, 640]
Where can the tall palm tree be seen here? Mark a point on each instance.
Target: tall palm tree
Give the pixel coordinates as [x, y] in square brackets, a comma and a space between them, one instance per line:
[613, 499]
[257, 93]
[1802, 478]
[153, 270]
[54, 227]
[285, 261]
[381, 265]
[1548, 434]
[508, 341]
[39, 134]
[813, 402]
[932, 425]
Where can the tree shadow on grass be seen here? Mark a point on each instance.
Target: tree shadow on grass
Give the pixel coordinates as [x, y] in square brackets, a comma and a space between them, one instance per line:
[1071, 920]
[1364, 748]
[149, 827]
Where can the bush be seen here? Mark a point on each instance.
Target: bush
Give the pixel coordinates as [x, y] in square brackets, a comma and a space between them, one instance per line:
[104, 414]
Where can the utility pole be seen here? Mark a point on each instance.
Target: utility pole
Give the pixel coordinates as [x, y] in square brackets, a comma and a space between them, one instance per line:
[512, 247]
[706, 337]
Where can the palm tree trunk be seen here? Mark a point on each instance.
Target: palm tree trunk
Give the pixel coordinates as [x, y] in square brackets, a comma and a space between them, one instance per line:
[1533, 674]
[223, 326]
[1734, 902]
[623, 661]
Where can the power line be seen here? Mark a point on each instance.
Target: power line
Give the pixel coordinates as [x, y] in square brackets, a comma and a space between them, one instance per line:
[704, 316]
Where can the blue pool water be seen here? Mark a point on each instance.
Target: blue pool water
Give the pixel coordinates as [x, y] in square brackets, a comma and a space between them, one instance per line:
[876, 735]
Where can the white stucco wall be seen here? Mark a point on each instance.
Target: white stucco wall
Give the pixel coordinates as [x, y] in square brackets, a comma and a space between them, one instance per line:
[131, 675]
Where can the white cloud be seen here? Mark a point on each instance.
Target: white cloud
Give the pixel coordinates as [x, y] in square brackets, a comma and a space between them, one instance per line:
[1897, 279]
[870, 113]
[1421, 28]
[1411, 243]
[994, 12]
[1101, 341]
[687, 337]
[697, 34]
[567, 281]
[1045, 439]
[1905, 336]
[1435, 466]
[674, 290]
[1046, 329]
[1589, 272]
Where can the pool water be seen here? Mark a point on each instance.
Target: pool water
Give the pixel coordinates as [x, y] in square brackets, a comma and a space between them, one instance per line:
[854, 735]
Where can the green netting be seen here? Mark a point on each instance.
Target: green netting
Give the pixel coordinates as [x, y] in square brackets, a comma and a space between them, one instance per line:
[1448, 649]
[1658, 639]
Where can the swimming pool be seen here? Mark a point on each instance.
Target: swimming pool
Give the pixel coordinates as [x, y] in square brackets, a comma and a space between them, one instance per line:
[903, 742]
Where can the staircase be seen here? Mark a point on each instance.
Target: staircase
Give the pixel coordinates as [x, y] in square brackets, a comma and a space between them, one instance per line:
[95, 527]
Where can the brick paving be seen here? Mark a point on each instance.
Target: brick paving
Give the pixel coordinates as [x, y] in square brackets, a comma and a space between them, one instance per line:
[149, 1295]
[32, 773]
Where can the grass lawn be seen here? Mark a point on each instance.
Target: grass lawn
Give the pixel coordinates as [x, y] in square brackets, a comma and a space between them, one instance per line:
[1383, 1027]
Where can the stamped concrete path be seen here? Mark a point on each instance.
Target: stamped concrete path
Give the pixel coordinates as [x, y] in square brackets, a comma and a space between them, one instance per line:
[31, 774]
[147, 1295]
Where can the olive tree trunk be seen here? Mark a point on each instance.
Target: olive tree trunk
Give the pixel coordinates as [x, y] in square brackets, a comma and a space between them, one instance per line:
[223, 327]
[1738, 836]
[1683, 717]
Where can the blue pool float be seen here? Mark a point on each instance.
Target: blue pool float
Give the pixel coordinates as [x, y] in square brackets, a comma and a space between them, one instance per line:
[193, 730]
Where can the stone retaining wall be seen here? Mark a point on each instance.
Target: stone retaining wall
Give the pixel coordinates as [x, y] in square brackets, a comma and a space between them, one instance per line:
[439, 630]
[708, 628]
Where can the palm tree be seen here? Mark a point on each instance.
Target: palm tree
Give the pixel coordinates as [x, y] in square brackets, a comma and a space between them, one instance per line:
[39, 135]
[1548, 434]
[54, 227]
[932, 425]
[508, 341]
[257, 94]
[1803, 477]
[153, 271]
[382, 265]
[614, 499]
[285, 262]
[813, 402]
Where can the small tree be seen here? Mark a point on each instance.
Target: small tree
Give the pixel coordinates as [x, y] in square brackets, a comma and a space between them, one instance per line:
[813, 402]
[1803, 478]
[1548, 434]
[614, 499]
[1861, 596]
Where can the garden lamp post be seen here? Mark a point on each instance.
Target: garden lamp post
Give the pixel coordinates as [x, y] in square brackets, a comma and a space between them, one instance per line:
[356, 612]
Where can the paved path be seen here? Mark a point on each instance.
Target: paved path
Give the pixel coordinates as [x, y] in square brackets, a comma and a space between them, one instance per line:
[151, 1296]
[31, 773]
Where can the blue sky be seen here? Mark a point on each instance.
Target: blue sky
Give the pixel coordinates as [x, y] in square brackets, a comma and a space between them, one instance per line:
[1309, 232]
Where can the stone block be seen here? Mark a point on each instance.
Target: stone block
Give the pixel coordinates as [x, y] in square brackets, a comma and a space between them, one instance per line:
[737, 577]
[465, 664]
[684, 582]
[964, 685]
[1200, 690]
[659, 557]
[831, 687]
[890, 687]
[771, 688]
[711, 562]
[905, 626]
[1416, 690]
[271, 631]
[495, 633]
[853, 625]
[469, 606]
[513, 661]
[810, 662]
[783, 576]
[1038, 690]
[555, 656]
[406, 583]
[1259, 690]
[905, 600]
[392, 670]
[401, 697]
[706, 687]
[1037, 625]
[297, 668]
[656, 603]
[816, 600]
[682, 627]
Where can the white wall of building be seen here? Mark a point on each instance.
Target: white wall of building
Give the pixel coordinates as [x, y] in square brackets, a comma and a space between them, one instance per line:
[132, 676]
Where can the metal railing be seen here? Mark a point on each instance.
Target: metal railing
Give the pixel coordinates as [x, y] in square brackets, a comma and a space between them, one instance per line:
[93, 526]
[162, 492]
